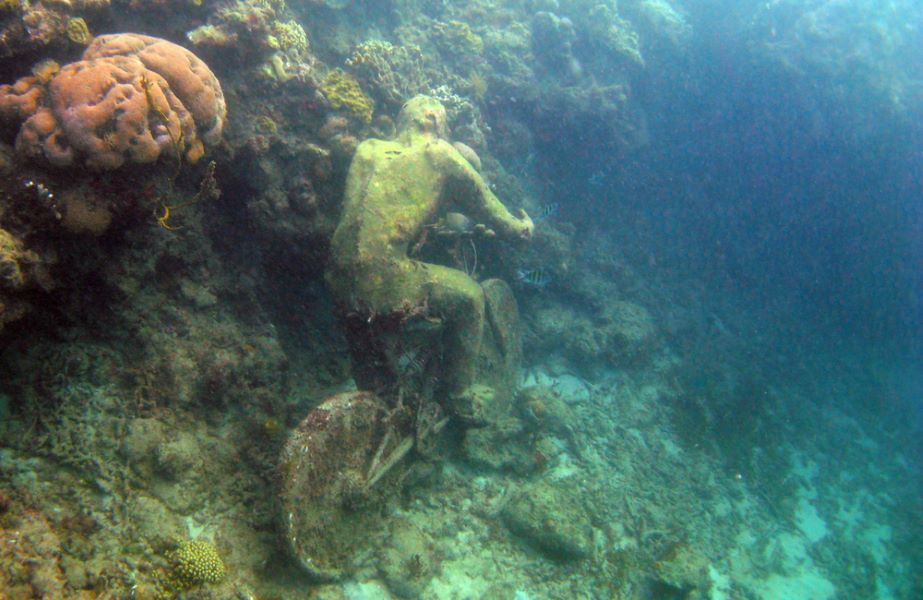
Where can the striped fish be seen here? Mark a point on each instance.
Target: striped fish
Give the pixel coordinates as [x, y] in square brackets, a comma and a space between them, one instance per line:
[533, 277]
[548, 210]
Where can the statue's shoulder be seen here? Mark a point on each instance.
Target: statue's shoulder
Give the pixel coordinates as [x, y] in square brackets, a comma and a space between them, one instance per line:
[440, 145]
[369, 145]
[372, 147]
[442, 151]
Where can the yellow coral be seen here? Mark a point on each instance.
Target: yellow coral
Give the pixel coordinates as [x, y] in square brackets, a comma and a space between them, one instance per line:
[343, 91]
[12, 256]
[10, 5]
[275, 69]
[78, 31]
[46, 70]
[290, 37]
[196, 562]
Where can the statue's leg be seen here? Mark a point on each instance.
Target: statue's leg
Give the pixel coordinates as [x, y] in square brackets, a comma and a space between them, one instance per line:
[371, 368]
[446, 293]
[460, 300]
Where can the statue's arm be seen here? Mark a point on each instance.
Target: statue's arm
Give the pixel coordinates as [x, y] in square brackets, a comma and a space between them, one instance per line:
[478, 200]
[360, 169]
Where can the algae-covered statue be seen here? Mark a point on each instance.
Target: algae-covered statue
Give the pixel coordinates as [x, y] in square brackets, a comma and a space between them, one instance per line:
[394, 190]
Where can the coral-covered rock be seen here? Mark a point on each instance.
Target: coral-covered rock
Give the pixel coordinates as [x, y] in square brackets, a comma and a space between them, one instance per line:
[20, 269]
[408, 562]
[131, 98]
[549, 516]
[30, 552]
[27, 27]
[13, 261]
[84, 212]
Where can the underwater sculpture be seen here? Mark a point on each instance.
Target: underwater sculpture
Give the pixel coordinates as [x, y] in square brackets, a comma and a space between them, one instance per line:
[393, 191]
[130, 98]
[348, 457]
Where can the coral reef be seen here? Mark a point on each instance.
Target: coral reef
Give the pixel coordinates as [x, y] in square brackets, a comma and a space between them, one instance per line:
[156, 97]
[344, 93]
[13, 260]
[260, 34]
[393, 74]
[552, 43]
[615, 34]
[172, 369]
[20, 270]
[29, 27]
[84, 212]
[622, 334]
[31, 552]
[195, 562]
[289, 37]
[457, 42]
[665, 21]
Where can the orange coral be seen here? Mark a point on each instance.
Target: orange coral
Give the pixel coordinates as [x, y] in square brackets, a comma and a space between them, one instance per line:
[190, 78]
[21, 99]
[131, 98]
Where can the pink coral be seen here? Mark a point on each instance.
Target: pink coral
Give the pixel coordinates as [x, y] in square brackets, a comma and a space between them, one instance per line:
[130, 98]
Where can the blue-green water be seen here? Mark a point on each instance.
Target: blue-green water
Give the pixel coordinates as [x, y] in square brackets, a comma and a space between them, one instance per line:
[265, 335]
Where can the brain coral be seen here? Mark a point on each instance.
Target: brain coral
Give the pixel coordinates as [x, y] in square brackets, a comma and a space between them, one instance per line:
[130, 98]
[196, 562]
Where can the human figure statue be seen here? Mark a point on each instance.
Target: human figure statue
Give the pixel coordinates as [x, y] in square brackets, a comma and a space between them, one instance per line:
[394, 190]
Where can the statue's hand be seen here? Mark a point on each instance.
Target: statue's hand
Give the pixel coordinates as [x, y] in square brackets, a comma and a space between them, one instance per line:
[527, 227]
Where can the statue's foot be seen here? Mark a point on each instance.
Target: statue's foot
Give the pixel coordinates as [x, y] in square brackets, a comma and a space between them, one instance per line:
[471, 405]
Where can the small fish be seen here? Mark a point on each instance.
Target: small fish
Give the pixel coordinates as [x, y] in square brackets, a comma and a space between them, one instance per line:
[410, 363]
[533, 277]
[458, 223]
[548, 210]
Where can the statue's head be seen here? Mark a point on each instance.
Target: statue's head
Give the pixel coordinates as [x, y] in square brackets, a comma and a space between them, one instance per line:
[423, 115]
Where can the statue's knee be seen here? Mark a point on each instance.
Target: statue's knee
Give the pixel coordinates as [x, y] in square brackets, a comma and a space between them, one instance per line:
[472, 299]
